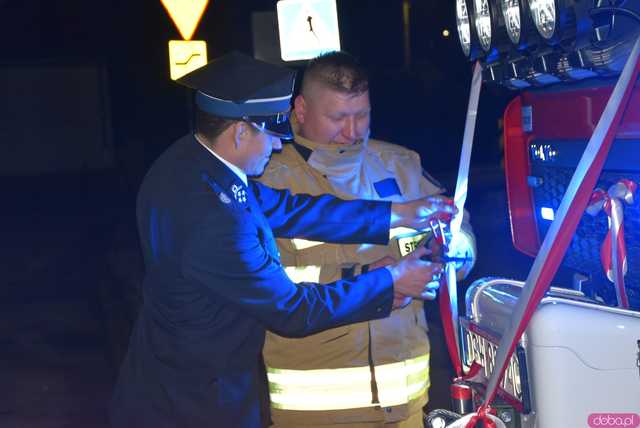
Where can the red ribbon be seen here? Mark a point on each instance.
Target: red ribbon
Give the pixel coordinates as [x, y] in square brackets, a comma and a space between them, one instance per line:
[450, 338]
[611, 203]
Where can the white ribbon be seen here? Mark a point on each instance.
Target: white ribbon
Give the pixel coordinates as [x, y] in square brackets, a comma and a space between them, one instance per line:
[460, 196]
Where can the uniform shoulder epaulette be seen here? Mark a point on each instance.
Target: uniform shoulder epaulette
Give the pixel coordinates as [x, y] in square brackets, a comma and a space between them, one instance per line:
[223, 197]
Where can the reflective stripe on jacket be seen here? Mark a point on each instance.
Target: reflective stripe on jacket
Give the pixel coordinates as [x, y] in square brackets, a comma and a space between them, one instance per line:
[348, 388]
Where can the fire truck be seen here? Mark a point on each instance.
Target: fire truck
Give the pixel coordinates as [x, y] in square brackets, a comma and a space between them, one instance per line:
[575, 359]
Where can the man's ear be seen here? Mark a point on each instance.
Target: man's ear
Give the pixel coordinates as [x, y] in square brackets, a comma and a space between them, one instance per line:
[240, 133]
[299, 108]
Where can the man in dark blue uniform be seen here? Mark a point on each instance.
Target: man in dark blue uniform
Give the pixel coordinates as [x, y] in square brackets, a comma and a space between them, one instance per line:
[214, 282]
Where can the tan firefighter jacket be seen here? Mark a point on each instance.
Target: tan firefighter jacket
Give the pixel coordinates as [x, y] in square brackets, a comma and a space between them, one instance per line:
[374, 371]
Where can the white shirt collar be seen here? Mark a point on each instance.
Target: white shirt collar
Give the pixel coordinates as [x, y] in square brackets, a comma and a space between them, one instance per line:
[237, 171]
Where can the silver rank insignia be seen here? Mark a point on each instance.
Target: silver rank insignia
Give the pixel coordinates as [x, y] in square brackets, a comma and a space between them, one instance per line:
[224, 198]
[239, 193]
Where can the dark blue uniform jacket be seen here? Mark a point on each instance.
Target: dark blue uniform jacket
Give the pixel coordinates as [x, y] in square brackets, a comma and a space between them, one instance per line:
[214, 283]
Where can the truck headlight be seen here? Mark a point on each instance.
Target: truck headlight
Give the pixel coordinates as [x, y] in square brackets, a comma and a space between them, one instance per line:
[464, 26]
[482, 15]
[512, 19]
[543, 13]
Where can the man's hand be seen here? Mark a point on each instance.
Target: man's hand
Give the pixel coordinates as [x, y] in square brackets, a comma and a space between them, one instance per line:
[430, 291]
[416, 214]
[399, 300]
[412, 277]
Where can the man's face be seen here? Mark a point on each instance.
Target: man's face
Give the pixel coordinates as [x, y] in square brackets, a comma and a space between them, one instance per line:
[258, 151]
[327, 116]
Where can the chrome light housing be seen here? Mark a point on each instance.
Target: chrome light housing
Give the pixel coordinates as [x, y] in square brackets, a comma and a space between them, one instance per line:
[483, 23]
[512, 16]
[544, 14]
[463, 24]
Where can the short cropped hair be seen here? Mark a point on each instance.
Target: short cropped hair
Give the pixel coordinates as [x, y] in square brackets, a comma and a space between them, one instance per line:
[337, 70]
[210, 126]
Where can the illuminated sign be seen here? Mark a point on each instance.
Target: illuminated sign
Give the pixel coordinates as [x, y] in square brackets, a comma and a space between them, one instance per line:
[185, 14]
[307, 28]
[186, 56]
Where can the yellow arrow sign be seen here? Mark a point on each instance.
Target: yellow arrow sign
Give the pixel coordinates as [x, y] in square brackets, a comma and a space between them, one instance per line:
[186, 56]
[185, 14]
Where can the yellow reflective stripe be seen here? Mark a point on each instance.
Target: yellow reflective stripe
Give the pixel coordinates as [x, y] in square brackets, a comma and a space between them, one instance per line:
[320, 389]
[302, 244]
[418, 376]
[319, 377]
[392, 384]
[397, 382]
[420, 392]
[400, 231]
[348, 388]
[303, 273]
[418, 382]
[318, 400]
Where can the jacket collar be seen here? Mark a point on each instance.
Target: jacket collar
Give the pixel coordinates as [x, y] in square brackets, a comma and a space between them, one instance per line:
[236, 170]
[219, 176]
[326, 153]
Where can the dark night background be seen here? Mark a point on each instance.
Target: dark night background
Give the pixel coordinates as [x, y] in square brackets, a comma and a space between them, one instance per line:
[86, 104]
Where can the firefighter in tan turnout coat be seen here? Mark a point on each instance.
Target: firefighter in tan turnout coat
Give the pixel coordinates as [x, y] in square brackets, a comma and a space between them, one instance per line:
[373, 373]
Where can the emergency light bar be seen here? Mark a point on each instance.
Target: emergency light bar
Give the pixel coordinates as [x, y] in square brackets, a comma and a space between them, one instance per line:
[523, 43]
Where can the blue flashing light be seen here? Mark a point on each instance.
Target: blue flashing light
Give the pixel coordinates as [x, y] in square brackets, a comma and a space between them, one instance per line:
[547, 213]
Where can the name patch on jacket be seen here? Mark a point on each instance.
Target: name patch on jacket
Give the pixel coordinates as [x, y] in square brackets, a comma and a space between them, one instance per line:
[387, 187]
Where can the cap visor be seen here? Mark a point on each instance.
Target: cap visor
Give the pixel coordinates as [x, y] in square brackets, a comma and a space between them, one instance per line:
[277, 125]
[282, 130]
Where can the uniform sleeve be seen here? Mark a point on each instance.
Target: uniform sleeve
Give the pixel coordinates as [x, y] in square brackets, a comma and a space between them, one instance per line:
[226, 255]
[325, 217]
